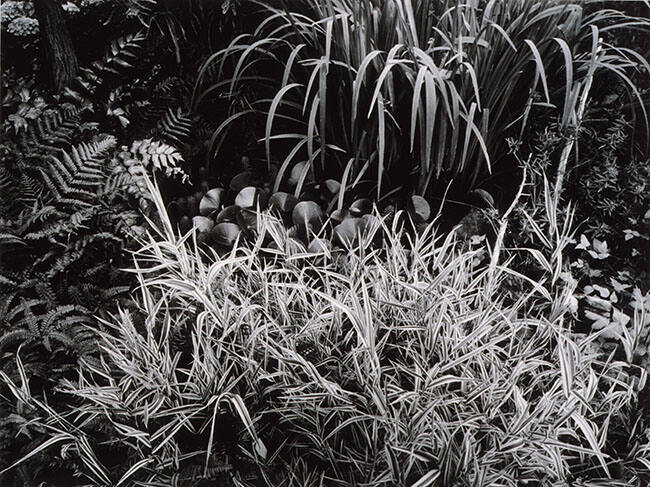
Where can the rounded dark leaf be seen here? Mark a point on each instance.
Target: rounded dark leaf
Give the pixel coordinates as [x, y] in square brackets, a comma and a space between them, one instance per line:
[297, 232]
[332, 186]
[296, 173]
[202, 223]
[319, 246]
[192, 205]
[420, 209]
[211, 201]
[203, 237]
[307, 213]
[370, 222]
[283, 202]
[247, 197]
[294, 247]
[362, 206]
[175, 209]
[347, 231]
[248, 219]
[337, 216]
[240, 181]
[251, 197]
[182, 203]
[228, 214]
[484, 196]
[204, 187]
[225, 233]
[185, 224]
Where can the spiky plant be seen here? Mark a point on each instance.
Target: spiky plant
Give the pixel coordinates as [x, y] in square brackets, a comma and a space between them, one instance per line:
[405, 93]
[402, 365]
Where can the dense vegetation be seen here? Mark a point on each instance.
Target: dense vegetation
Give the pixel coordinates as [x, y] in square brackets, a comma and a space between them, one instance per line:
[329, 242]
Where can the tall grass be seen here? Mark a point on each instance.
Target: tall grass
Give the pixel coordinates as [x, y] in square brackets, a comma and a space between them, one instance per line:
[407, 364]
[403, 93]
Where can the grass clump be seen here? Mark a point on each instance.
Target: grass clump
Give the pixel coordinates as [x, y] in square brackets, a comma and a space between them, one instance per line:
[386, 96]
[407, 363]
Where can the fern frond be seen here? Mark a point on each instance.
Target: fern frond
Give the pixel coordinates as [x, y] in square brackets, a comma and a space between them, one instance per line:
[65, 194]
[167, 86]
[94, 271]
[43, 287]
[126, 180]
[30, 320]
[52, 131]
[6, 181]
[115, 292]
[75, 178]
[62, 226]
[175, 127]
[10, 238]
[144, 10]
[147, 114]
[103, 237]
[62, 263]
[118, 58]
[6, 281]
[60, 323]
[66, 340]
[11, 337]
[64, 316]
[40, 215]
[122, 49]
[126, 222]
[30, 188]
[9, 310]
[88, 294]
[163, 157]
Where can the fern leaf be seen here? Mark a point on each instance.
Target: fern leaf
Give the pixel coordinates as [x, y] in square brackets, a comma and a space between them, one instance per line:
[13, 336]
[121, 49]
[164, 157]
[42, 214]
[29, 187]
[6, 281]
[175, 127]
[52, 131]
[9, 238]
[59, 189]
[66, 340]
[63, 262]
[75, 179]
[166, 86]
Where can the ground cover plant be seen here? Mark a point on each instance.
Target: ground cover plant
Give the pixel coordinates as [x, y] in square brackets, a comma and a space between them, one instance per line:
[229, 252]
[409, 363]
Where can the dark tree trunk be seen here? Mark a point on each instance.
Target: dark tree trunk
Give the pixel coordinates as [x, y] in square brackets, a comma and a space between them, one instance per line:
[59, 58]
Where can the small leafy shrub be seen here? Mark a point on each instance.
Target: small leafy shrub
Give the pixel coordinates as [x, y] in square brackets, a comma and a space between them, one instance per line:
[606, 181]
[21, 100]
[18, 19]
[402, 365]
